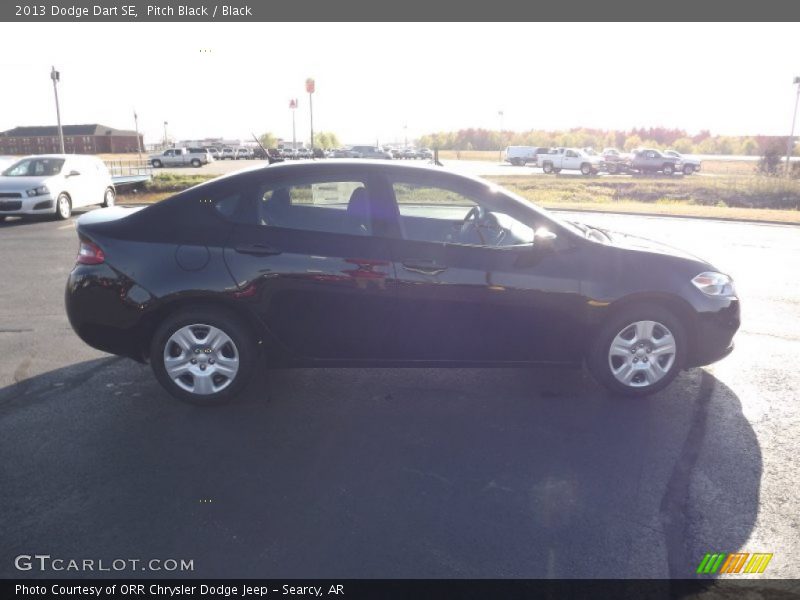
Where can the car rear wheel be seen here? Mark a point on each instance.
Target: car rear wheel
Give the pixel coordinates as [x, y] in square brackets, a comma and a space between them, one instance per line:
[547, 167]
[688, 169]
[196, 163]
[63, 207]
[668, 169]
[612, 168]
[203, 356]
[157, 164]
[639, 351]
[586, 169]
[109, 197]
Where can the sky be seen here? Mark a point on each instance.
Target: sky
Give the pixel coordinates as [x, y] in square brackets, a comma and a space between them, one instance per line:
[388, 82]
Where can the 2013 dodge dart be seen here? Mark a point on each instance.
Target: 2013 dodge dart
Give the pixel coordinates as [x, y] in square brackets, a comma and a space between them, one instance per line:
[359, 263]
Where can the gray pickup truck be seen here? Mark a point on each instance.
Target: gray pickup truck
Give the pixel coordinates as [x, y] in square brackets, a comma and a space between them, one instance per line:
[180, 157]
[647, 160]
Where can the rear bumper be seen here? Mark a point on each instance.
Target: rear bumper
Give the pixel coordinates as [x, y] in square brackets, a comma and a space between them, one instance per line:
[105, 309]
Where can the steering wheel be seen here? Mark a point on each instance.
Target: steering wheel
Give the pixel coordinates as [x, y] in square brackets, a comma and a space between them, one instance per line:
[483, 219]
[476, 214]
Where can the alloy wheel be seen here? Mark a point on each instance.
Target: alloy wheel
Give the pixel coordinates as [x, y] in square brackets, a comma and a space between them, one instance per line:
[642, 354]
[201, 359]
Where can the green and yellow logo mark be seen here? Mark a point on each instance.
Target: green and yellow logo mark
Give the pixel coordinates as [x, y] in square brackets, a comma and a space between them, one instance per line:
[736, 562]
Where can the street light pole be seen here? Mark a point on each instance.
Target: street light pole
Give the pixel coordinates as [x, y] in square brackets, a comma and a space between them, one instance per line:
[293, 106]
[790, 145]
[56, 77]
[165, 134]
[310, 87]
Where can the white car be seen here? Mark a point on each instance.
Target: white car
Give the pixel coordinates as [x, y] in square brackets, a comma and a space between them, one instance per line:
[54, 184]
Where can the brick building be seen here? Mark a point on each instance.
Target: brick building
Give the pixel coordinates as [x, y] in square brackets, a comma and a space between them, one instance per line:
[78, 139]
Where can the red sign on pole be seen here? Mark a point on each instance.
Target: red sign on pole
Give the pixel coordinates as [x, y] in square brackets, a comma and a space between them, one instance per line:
[293, 103]
[310, 85]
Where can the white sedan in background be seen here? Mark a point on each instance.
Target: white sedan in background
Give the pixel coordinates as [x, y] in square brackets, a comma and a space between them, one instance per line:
[54, 184]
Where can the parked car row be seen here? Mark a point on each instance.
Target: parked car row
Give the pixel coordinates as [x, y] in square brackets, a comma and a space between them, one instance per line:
[588, 161]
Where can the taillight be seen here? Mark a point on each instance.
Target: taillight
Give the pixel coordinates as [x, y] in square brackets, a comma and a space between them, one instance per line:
[90, 253]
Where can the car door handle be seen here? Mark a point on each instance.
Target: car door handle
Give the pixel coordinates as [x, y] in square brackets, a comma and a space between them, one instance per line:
[423, 266]
[256, 249]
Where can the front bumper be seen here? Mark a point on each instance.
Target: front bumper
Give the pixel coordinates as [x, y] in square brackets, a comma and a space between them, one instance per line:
[34, 205]
[713, 335]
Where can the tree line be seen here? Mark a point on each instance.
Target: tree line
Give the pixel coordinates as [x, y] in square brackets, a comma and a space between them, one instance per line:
[652, 137]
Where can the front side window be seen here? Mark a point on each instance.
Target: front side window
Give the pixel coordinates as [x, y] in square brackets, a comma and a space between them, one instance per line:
[31, 167]
[439, 214]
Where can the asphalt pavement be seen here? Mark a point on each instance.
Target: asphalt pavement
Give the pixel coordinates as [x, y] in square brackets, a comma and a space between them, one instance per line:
[403, 472]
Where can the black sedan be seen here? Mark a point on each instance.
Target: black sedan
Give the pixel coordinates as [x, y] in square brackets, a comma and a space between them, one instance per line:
[366, 263]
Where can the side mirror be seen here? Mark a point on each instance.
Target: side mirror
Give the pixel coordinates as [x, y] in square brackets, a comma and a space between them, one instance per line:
[543, 237]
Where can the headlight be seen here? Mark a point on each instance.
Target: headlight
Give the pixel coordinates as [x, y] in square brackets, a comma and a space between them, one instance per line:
[39, 191]
[714, 284]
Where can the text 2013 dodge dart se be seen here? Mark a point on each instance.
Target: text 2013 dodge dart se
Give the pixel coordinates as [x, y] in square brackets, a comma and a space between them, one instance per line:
[376, 264]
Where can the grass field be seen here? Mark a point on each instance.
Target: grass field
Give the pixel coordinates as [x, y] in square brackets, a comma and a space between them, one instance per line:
[734, 197]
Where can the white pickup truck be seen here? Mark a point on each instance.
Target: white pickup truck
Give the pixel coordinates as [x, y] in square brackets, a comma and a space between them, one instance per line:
[570, 159]
[177, 157]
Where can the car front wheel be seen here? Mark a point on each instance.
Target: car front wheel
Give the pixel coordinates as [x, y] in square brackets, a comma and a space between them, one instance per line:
[109, 197]
[639, 351]
[203, 356]
[688, 169]
[63, 207]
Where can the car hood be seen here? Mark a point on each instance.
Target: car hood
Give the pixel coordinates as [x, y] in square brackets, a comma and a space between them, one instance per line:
[23, 183]
[633, 242]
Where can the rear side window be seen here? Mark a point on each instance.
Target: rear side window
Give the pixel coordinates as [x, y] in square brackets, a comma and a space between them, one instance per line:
[331, 206]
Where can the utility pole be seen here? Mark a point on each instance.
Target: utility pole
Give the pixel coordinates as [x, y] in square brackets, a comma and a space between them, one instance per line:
[56, 77]
[500, 151]
[790, 145]
[138, 139]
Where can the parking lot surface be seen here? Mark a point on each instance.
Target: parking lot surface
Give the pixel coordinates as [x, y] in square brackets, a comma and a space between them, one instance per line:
[403, 472]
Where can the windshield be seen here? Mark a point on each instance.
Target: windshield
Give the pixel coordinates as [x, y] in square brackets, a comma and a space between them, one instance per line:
[529, 205]
[35, 167]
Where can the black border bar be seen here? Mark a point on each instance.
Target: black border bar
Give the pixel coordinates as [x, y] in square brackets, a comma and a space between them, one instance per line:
[395, 10]
[403, 589]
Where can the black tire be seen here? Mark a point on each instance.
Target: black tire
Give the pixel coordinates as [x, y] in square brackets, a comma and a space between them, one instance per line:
[612, 168]
[196, 163]
[547, 167]
[2, 218]
[600, 363]
[63, 207]
[244, 347]
[688, 169]
[109, 197]
[157, 164]
[586, 169]
[668, 169]
[556, 171]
